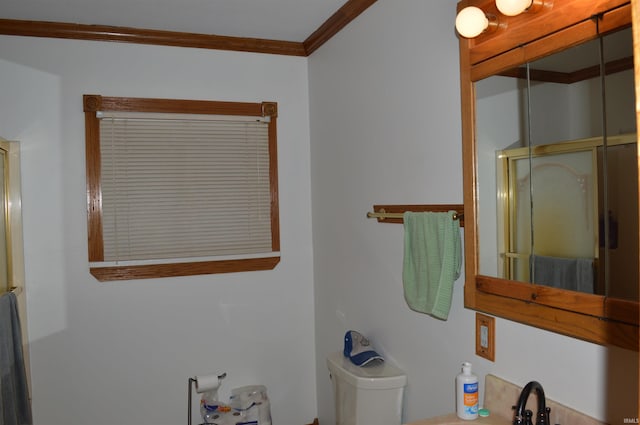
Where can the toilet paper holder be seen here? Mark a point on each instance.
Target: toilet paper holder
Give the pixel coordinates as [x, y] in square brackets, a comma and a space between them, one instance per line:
[194, 380]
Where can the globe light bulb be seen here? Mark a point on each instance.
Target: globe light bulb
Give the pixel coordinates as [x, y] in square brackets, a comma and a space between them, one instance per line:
[471, 22]
[513, 7]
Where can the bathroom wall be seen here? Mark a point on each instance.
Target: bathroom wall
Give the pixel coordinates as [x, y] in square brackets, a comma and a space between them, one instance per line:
[385, 128]
[380, 104]
[120, 353]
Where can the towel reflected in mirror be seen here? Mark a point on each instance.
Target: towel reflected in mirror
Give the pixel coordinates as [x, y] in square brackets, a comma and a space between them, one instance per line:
[575, 274]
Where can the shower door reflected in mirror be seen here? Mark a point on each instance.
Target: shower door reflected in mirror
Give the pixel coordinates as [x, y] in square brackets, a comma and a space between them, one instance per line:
[552, 226]
[557, 171]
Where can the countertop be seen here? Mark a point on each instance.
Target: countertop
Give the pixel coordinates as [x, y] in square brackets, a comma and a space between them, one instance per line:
[452, 419]
[500, 396]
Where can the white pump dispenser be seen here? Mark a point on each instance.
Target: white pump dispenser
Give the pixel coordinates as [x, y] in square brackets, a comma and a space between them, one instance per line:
[467, 393]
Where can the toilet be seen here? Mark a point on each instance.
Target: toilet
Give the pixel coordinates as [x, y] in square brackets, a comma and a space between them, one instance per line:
[369, 395]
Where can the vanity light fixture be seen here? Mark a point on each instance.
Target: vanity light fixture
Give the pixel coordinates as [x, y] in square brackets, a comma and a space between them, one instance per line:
[516, 7]
[472, 21]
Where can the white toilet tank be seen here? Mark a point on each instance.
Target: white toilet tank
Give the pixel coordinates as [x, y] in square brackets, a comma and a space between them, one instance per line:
[369, 395]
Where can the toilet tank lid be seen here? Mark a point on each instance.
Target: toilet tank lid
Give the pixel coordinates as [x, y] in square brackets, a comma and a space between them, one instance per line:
[380, 376]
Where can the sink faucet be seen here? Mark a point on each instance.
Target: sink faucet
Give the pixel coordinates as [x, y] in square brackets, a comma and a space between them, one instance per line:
[522, 416]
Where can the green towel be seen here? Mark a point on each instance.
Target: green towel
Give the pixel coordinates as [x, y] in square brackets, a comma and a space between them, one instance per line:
[432, 261]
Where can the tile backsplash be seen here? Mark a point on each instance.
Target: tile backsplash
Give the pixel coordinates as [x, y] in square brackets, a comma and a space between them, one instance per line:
[501, 395]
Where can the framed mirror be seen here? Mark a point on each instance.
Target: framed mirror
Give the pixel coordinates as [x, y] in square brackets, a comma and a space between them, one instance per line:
[550, 162]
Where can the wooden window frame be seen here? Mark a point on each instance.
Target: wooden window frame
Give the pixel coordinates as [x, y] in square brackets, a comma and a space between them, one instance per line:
[94, 103]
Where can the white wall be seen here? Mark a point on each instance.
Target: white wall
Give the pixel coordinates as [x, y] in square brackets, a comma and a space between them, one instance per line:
[121, 352]
[385, 128]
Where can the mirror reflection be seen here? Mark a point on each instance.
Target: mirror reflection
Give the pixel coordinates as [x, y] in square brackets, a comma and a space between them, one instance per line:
[557, 170]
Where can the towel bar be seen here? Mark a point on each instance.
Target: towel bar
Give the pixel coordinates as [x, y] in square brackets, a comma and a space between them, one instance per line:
[382, 215]
[15, 289]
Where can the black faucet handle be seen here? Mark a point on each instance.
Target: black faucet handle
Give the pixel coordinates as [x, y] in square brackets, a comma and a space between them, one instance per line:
[543, 417]
[528, 414]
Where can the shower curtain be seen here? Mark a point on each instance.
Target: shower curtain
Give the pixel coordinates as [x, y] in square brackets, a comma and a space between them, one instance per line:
[15, 408]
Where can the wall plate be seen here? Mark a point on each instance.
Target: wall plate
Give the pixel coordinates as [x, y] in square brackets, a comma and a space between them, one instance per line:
[485, 336]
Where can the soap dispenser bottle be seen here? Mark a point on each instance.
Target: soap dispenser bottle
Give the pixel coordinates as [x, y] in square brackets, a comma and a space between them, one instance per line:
[467, 393]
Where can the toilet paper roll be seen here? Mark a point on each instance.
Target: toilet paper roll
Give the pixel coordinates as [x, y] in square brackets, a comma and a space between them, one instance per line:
[206, 383]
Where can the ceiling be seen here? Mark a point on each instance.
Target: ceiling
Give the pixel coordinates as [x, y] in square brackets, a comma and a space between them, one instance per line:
[287, 20]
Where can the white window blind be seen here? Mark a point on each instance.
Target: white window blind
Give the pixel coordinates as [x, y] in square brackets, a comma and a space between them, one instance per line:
[178, 186]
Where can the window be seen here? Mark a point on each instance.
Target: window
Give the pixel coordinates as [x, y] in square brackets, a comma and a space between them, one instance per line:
[180, 187]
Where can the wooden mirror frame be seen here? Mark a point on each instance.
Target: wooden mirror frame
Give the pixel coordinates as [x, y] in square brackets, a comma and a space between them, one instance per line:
[529, 36]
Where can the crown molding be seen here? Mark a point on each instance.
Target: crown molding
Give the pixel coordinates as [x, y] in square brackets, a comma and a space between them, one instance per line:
[340, 19]
[145, 36]
[347, 13]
